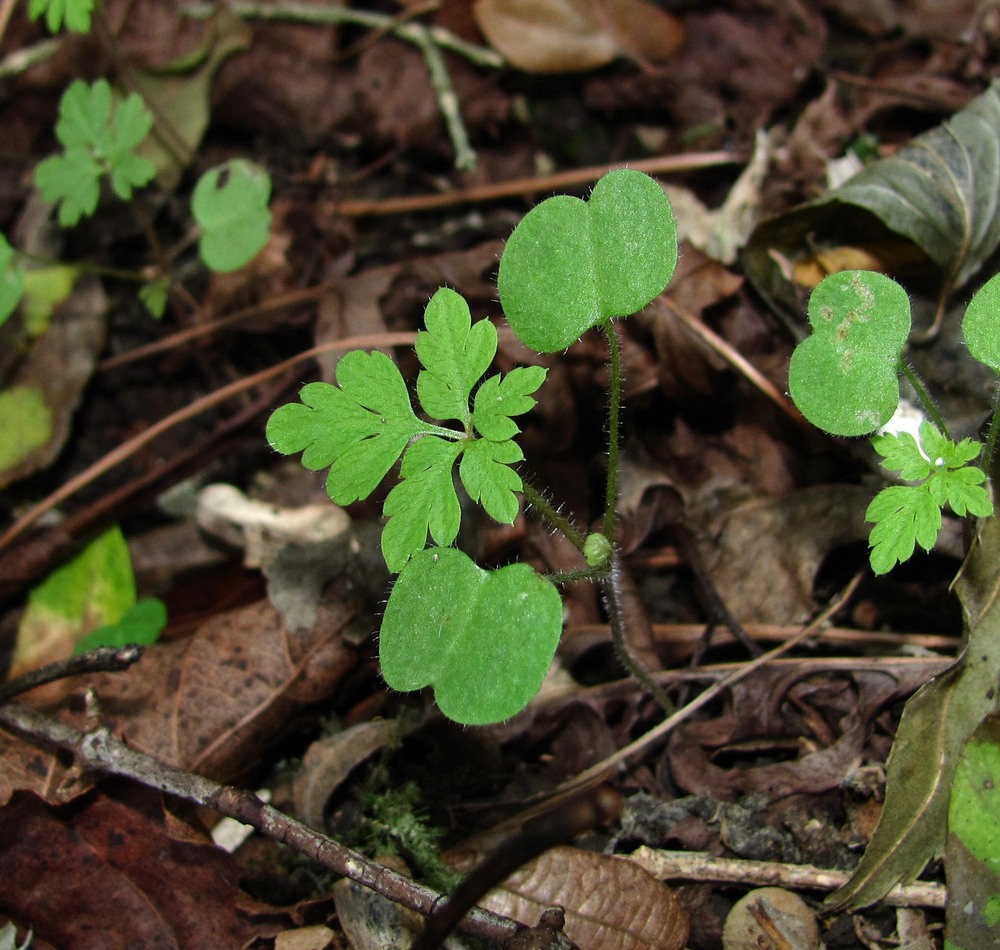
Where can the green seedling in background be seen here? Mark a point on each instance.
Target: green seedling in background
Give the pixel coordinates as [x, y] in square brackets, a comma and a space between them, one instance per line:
[75, 14]
[98, 136]
[845, 380]
[88, 602]
[230, 205]
[484, 639]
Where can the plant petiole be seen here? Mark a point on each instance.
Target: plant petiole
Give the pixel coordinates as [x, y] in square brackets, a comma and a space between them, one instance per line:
[930, 407]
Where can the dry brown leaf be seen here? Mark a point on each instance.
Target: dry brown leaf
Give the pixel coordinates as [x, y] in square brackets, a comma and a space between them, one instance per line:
[609, 902]
[562, 36]
[211, 703]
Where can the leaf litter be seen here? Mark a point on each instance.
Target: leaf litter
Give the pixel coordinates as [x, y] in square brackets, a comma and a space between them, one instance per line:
[244, 692]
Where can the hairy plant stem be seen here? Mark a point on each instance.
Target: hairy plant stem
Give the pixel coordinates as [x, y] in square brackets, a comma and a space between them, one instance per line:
[552, 515]
[614, 406]
[930, 407]
[610, 582]
[991, 439]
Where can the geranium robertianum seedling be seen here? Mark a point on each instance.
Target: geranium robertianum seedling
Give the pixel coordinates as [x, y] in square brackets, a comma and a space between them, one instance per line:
[98, 136]
[483, 639]
[844, 378]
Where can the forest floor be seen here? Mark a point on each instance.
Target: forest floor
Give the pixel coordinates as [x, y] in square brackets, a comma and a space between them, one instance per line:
[731, 507]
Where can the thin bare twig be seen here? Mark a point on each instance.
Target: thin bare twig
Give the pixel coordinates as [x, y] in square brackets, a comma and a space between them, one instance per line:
[100, 660]
[101, 750]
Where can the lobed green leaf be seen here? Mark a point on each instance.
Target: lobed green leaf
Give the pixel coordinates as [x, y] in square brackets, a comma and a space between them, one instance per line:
[843, 377]
[904, 515]
[455, 353]
[358, 428]
[488, 478]
[423, 503]
[900, 453]
[482, 639]
[74, 13]
[503, 396]
[98, 138]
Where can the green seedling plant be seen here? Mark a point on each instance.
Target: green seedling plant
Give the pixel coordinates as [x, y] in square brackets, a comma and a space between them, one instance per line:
[483, 639]
[100, 133]
[845, 379]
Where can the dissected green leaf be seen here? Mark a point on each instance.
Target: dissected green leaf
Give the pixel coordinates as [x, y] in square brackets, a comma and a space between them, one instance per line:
[482, 639]
[358, 428]
[843, 377]
[455, 353]
[11, 280]
[142, 623]
[572, 264]
[230, 205]
[972, 852]
[424, 502]
[940, 193]
[94, 589]
[154, 296]
[488, 478]
[503, 396]
[26, 423]
[908, 515]
[98, 137]
[981, 324]
[904, 515]
[934, 727]
[362, 426]
[74, 13]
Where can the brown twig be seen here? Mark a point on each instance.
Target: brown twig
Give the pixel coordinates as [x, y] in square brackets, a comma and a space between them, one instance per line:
[101, 750]
[101, 660]
[698, 866]
[524, 187]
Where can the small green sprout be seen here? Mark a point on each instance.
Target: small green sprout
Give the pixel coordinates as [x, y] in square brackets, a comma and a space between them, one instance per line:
[74, 13]
[905, 515]
[845, 380]
[483, 639]
[98, 136]
[230, 205]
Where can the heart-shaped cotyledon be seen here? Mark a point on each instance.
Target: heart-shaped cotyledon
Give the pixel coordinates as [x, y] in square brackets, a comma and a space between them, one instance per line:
[482, 639]
[844, 377]
[572, 264]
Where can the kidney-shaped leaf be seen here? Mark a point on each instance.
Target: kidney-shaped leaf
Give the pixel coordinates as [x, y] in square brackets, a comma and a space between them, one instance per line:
[571, 264]
[981, 324]
[483, 639]
[844, 376]
[230, 205]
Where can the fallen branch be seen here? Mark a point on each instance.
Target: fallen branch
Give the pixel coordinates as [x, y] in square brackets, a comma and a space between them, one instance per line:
[99, 749]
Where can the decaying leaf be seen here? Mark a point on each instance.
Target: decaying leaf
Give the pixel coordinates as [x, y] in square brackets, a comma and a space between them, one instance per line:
[932, 206]
[211, 703]
[112, 876]
[609, 902]
[57, 366]
[934, 727]
[561, 36]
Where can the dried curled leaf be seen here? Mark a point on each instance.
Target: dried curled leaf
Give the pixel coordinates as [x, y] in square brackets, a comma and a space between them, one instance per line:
[609, 902]
[563, 36]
